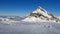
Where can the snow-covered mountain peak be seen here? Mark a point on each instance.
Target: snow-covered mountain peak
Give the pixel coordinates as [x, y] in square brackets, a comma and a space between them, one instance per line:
[41, 15]
[40, 10]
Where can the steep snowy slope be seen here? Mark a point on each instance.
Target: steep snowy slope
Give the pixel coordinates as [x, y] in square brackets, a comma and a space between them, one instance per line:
[41, 15]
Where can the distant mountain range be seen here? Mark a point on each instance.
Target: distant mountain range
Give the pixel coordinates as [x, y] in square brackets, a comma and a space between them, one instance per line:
[10, 18]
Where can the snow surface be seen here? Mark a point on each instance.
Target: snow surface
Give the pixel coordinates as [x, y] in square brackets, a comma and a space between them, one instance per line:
[30, 28]
[59, 17]
[34, 19]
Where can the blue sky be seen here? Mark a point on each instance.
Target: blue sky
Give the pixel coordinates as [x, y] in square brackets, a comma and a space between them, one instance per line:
[24, 7]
